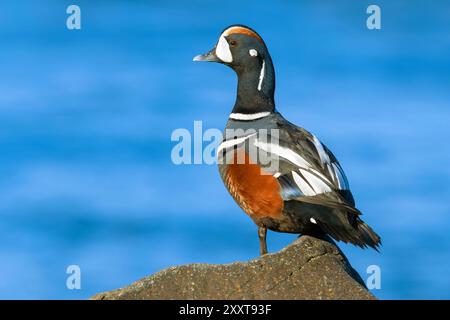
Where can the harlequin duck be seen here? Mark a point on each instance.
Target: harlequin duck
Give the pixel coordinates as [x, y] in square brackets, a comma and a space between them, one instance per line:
[281, 175]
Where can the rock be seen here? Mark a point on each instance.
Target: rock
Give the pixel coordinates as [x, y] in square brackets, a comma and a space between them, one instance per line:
[309, 268]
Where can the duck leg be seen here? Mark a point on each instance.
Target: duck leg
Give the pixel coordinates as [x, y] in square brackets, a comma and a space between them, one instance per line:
[262, 232]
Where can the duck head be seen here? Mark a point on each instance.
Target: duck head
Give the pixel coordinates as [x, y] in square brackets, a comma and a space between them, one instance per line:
[243, 49]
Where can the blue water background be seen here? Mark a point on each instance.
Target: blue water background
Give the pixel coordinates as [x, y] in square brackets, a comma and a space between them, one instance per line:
[86, 119]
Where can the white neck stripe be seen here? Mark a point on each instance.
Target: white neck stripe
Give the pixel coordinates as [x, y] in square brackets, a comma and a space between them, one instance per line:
[261, 75]
[247, 117]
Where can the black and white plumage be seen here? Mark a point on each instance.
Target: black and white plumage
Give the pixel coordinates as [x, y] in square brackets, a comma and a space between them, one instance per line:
[307, 190]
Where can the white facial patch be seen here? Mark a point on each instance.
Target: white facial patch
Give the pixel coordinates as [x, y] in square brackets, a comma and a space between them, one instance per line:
[253, 52]
[223, 50]
[313, 220]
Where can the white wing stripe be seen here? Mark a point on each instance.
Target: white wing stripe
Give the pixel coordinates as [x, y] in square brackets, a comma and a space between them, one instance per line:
[335, 170]
[330, 170]
[343, 185]
[314, 177]
[319, 185]
[303, 185]
[283, 152]
[321, 151]
[317, 173]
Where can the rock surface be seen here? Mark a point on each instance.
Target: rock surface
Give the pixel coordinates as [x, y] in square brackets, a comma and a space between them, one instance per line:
[309, 268]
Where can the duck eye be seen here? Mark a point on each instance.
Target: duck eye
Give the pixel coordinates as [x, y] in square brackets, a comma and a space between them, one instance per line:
[233, 43]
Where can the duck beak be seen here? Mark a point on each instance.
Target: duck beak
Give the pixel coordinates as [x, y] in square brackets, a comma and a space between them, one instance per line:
[210, 56]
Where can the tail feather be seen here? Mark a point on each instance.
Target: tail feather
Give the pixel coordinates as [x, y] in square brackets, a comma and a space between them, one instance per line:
[369, 236]
[340, 220]
[359, 234]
